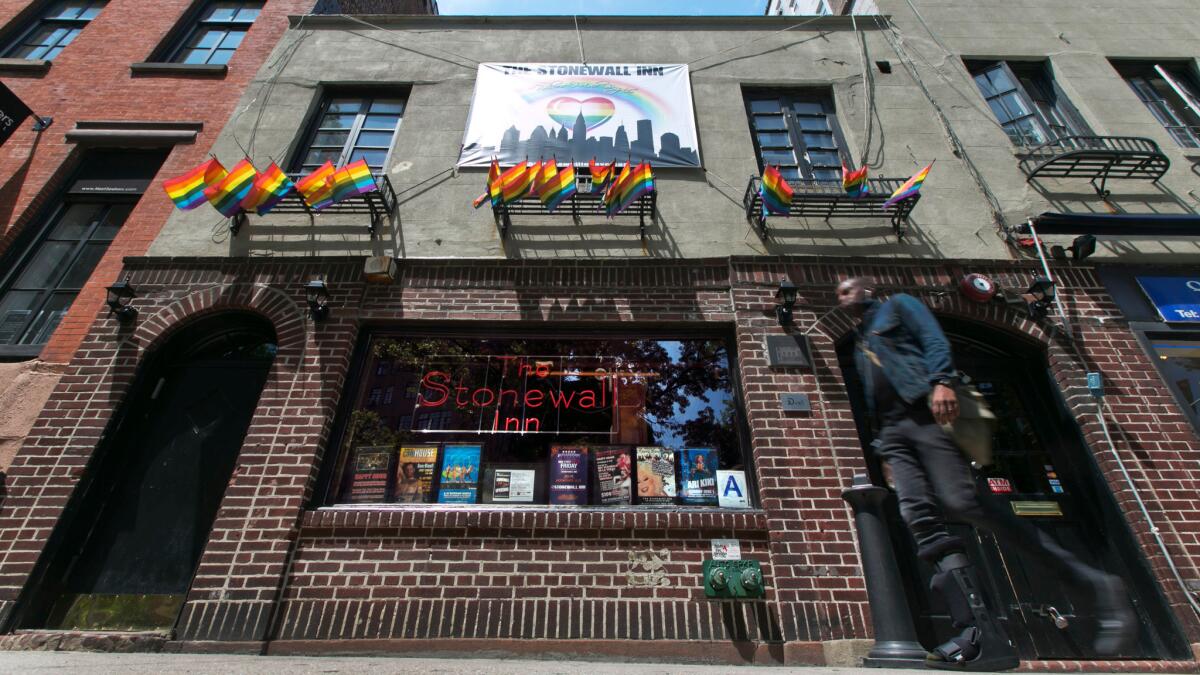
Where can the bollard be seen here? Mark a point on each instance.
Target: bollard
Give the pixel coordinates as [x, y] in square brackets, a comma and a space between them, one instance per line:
[896, 643]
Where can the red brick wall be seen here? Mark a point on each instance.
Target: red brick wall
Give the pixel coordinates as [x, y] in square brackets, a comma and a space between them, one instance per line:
[274, 568]
[91, 80]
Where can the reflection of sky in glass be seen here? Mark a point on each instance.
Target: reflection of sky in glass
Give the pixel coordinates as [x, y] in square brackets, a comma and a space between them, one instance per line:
[715, 399]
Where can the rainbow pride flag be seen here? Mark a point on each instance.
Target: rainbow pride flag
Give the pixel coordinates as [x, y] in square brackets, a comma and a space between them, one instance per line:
[535, 175]
[515, 182]
[353, 179]
[226, 196]
[910, 187]
[544, 172]
[493, 174]
[640, 182]
[560, 188]
[269, 189]
[601, 174]
[187, 191]
[775, 192]
[854, 182]
[615, 185]
[317, 187]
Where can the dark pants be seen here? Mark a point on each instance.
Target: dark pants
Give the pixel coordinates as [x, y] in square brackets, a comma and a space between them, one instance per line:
[934, 483]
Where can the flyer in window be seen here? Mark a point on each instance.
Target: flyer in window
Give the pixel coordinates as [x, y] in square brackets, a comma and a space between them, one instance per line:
[697, 476]
[655, 475]
[614, 475]
[568, 475]
[460, 474]
[370, 474]
[513, 485]
[414, 474]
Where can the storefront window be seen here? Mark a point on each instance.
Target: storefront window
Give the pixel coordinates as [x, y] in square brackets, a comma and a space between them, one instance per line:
[595, 422]
[1178, 359]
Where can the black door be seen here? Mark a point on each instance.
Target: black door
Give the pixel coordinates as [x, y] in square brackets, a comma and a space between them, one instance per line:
[127, 557]
[1044, 473]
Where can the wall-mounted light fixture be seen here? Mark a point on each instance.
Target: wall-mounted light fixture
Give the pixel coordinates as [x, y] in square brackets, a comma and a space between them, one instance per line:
[317, 296]
[1083, 246]
[1041, 294]
[785, 300]
[120, 294]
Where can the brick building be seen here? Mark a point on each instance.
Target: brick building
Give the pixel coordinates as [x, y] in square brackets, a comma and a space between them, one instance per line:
[392, 456]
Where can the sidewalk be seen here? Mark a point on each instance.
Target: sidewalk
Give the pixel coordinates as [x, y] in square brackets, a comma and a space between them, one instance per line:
[27, 663]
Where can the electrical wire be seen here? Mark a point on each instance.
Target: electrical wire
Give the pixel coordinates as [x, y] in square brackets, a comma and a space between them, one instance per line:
[409, 33]
[753, 41]
[868, 91]
[579, 37]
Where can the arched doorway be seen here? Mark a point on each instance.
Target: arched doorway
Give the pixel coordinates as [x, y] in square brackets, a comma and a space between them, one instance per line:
[1045, 472]
[124, 553]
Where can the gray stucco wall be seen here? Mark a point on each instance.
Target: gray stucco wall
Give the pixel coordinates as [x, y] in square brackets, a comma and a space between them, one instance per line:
[435, 58]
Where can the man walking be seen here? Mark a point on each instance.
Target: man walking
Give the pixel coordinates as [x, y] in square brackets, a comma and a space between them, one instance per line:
[908, 376]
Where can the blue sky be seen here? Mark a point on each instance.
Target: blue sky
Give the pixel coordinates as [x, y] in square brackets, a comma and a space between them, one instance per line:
[597, 7]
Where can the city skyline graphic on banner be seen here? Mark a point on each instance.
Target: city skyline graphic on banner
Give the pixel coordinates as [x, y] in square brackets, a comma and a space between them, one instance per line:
[576, 113]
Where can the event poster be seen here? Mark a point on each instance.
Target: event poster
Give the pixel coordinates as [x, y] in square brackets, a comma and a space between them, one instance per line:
[572, 112]
[568, 475]
[460, 474]
[513, 485]
[614, 475]
[414, 474]
[697, 476]
[371, 472]
[655, 475]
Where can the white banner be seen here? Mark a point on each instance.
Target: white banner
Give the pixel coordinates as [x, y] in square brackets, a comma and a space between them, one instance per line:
[573, 113]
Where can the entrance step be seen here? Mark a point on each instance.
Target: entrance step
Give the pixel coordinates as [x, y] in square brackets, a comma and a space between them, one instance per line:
[123, 642]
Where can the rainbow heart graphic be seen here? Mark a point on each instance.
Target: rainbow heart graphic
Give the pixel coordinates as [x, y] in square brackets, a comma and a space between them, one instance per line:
[596, 110]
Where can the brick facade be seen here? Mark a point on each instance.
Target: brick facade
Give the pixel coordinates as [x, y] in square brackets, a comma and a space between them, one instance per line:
[277, 570]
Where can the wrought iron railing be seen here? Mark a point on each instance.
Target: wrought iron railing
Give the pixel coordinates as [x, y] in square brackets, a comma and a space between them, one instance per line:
[379, 204]
[1096, 158]
[578, 205]
[827, 199]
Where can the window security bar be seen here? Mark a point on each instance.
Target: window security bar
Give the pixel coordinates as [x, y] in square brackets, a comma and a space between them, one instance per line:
[379, 205]
[826, 199]
[580, 204]
[1097, 158]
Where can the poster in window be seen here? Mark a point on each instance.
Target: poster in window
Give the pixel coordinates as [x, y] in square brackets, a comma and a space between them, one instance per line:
[731, 490]
[460, 474]
[568, 475]
[697, 476]
[575, 112]
[513, 485]
[655, 475]
[371, 473]
[614, 475]
[414, 474]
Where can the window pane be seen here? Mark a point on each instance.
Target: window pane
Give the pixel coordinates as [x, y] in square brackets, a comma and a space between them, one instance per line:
[765, 105]
[388, 106]
[1029, 132]
[221, 57]
[1014, 105]
[331, 138]
[767, 140]
[247, 14]
[221, 11]
[381, 121]
[813, 123]
[92, 12]
[818, 140]
[808, 108]
[338, 121]
[778, 157]
[112, 222]
[232, 39]
[769, 122]
[790, 173]
[345, 105]
[827, 175]
[374, 139]
[318, 157]
[50, 54]
[375, 158]
[999, 80]
[207, 38]
[78, 275]
[196, 56]
[999, 111]
[48, 319]
[985, 85]
[824, 158]
[28, 52]
[46, 266]
[15, 309]
[76, 220]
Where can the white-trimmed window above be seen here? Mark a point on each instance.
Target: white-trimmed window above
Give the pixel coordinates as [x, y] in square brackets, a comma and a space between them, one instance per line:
[54, 29]
[1169, 91]
[352, 128]
[1027, 102]
[218, 31]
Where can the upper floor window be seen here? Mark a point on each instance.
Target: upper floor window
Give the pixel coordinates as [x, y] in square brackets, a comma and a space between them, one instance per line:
[350, 129]
[1169, 91]
[798, 132]
[219, 29]
[1027, 102]
[54, 29]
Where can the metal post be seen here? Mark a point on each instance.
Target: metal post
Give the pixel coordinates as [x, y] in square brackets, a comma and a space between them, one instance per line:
[896, 643]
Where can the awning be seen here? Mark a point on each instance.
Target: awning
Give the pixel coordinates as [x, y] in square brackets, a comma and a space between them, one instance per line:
[1117, 224]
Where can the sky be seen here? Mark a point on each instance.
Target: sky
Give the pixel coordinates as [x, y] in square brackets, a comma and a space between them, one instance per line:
[600, 7]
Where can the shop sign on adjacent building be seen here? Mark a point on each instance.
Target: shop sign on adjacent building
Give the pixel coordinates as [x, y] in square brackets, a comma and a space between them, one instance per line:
[574, 112]
[1177, 299]
[13, 112]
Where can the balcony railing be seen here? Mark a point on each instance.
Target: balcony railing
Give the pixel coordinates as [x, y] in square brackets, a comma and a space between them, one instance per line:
[379, 204]
[827, 199]
[1097, 158]
[580, 204]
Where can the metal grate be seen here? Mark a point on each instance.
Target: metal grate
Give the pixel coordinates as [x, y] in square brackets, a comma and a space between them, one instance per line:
[827, 199]
[1097, 158]
[379, 204]
[580, 204]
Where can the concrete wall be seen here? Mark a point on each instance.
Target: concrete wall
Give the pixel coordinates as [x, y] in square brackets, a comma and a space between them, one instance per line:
[700, 210]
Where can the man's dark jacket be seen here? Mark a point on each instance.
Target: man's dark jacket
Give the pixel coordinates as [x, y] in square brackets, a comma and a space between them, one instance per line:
[913, 352]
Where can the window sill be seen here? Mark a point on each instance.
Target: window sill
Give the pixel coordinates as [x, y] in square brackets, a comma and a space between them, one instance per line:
[169, 69]
[403, 519]
[20, 352]
[36, 66]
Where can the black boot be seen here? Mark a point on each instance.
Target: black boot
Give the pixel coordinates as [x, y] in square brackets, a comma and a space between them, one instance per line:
[983, 644]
